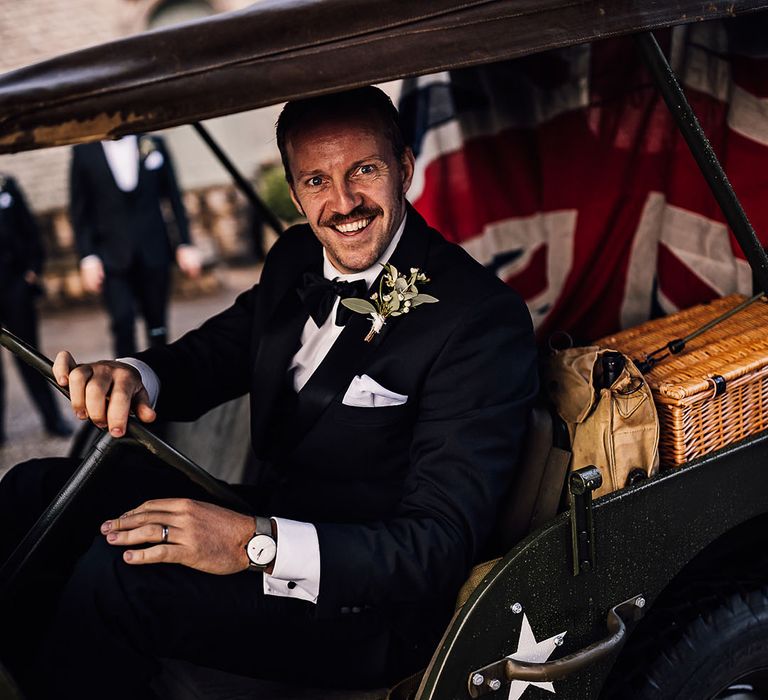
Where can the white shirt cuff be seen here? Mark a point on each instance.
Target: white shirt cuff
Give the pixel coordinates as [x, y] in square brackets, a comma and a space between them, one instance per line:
[297, 565]
[149, 379]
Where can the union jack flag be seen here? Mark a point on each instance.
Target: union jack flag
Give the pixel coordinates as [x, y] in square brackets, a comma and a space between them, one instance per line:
[564, 173]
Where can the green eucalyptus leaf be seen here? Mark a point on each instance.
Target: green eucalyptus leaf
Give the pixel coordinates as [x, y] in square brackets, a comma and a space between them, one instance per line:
[423, 299]
[359, 306]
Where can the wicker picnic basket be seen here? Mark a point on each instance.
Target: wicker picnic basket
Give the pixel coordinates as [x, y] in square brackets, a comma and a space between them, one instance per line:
[716, 391]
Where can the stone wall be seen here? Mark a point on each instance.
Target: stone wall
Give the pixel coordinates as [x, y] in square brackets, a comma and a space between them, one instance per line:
[34, 30]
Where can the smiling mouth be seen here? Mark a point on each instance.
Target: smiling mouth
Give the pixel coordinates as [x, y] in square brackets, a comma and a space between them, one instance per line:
[350, 228]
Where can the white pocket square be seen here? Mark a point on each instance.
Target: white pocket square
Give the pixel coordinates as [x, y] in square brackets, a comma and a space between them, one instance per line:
[366, 392]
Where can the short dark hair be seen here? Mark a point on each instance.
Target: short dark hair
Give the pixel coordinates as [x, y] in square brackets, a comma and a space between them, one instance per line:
[363, 100]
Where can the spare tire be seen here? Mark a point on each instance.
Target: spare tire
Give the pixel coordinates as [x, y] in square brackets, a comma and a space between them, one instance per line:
[722, 653]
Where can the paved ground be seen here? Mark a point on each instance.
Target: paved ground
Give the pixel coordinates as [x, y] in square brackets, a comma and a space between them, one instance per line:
[85, 333]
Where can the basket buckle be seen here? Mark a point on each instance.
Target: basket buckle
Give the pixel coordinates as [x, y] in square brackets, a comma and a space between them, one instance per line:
[718, 384]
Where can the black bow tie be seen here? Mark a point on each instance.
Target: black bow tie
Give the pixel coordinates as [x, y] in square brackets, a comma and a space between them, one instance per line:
[318, 295]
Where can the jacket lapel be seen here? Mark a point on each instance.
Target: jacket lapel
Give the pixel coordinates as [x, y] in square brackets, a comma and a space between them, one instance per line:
[280, 341]
[100, 156]
[350, 354]
[140, 159]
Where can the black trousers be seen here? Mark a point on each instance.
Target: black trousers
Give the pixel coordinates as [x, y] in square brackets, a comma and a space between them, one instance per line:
[19, 315]
[137, 287]
[83, 623]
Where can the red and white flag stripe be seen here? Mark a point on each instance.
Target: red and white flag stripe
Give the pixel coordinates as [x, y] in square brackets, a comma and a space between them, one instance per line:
[565, 174]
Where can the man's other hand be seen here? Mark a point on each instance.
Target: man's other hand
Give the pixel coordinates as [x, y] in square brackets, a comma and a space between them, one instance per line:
[106, 392]
[189, 260]
[92, 274]
[200, 535]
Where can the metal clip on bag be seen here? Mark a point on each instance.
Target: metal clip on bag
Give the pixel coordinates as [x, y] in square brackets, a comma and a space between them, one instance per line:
[609, 410]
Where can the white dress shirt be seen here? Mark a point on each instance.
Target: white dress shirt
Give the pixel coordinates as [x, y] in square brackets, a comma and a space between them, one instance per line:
[123, 159]
[316, 342]
[296, 573]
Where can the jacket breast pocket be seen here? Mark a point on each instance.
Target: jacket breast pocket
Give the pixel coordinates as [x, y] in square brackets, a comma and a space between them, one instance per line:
[370, 417]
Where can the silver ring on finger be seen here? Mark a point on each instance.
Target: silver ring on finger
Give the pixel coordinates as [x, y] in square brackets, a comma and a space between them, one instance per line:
[164, 538]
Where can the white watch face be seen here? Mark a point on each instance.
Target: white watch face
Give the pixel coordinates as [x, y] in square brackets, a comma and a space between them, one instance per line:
[261, 550]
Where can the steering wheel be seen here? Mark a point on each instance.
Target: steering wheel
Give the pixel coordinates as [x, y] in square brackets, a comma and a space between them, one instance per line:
[99, 452]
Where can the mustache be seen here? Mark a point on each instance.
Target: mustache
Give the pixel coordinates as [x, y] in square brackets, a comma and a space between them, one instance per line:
[361, 212]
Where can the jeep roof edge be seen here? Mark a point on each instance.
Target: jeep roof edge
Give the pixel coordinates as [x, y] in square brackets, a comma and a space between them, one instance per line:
[260, 56]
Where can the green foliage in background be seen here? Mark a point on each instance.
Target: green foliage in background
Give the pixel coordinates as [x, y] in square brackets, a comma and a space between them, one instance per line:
[274, 191]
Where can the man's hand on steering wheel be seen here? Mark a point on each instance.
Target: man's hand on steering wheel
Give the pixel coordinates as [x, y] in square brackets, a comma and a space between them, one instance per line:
[106, 392]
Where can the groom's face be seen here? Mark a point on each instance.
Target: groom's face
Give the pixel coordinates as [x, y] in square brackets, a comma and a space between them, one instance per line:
[350, 186]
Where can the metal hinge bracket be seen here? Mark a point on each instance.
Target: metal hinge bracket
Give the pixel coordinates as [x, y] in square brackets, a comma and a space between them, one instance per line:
[581, 484]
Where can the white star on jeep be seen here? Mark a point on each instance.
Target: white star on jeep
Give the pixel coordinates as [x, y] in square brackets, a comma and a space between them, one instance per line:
[528, 649]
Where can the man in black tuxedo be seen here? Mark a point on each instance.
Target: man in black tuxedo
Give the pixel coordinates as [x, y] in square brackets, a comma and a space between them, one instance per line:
[21, 262]
[116, 192]
[380, 464]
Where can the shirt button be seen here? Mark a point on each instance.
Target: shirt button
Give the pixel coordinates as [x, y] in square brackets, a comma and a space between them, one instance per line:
[291, 585]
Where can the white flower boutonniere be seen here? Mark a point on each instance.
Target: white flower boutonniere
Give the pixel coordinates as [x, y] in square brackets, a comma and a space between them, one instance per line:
[151, 155]
[146, 146]
[397, 295]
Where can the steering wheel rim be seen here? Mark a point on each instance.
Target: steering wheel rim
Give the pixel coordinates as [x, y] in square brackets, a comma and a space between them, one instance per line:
[138, 433]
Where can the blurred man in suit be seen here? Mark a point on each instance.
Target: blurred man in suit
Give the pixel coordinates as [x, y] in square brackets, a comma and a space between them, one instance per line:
[21, 261]
[117, 189]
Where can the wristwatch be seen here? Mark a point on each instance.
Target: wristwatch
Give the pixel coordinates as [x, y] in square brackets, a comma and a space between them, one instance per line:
[261, 548]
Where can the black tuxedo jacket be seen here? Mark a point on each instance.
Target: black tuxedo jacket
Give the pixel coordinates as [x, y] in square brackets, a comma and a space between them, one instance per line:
[21, 248]
[403, 497]
[123, 227]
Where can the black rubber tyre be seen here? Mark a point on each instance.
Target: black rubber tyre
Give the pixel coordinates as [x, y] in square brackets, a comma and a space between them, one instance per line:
[722, 653]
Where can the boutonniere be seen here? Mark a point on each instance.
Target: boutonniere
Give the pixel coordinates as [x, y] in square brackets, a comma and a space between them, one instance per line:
[5, 197]
[397, 295]
[151, 155]
[146, 146]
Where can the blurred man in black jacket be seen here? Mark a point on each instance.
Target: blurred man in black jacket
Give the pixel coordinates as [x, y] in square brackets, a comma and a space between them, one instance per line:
[21, 261]
[116, 190]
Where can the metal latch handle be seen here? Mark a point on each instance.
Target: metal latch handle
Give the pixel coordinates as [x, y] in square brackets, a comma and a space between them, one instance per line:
[581, 484]
[489, 678]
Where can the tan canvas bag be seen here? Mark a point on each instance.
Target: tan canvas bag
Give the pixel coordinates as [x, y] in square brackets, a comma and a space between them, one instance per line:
[615, 429]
